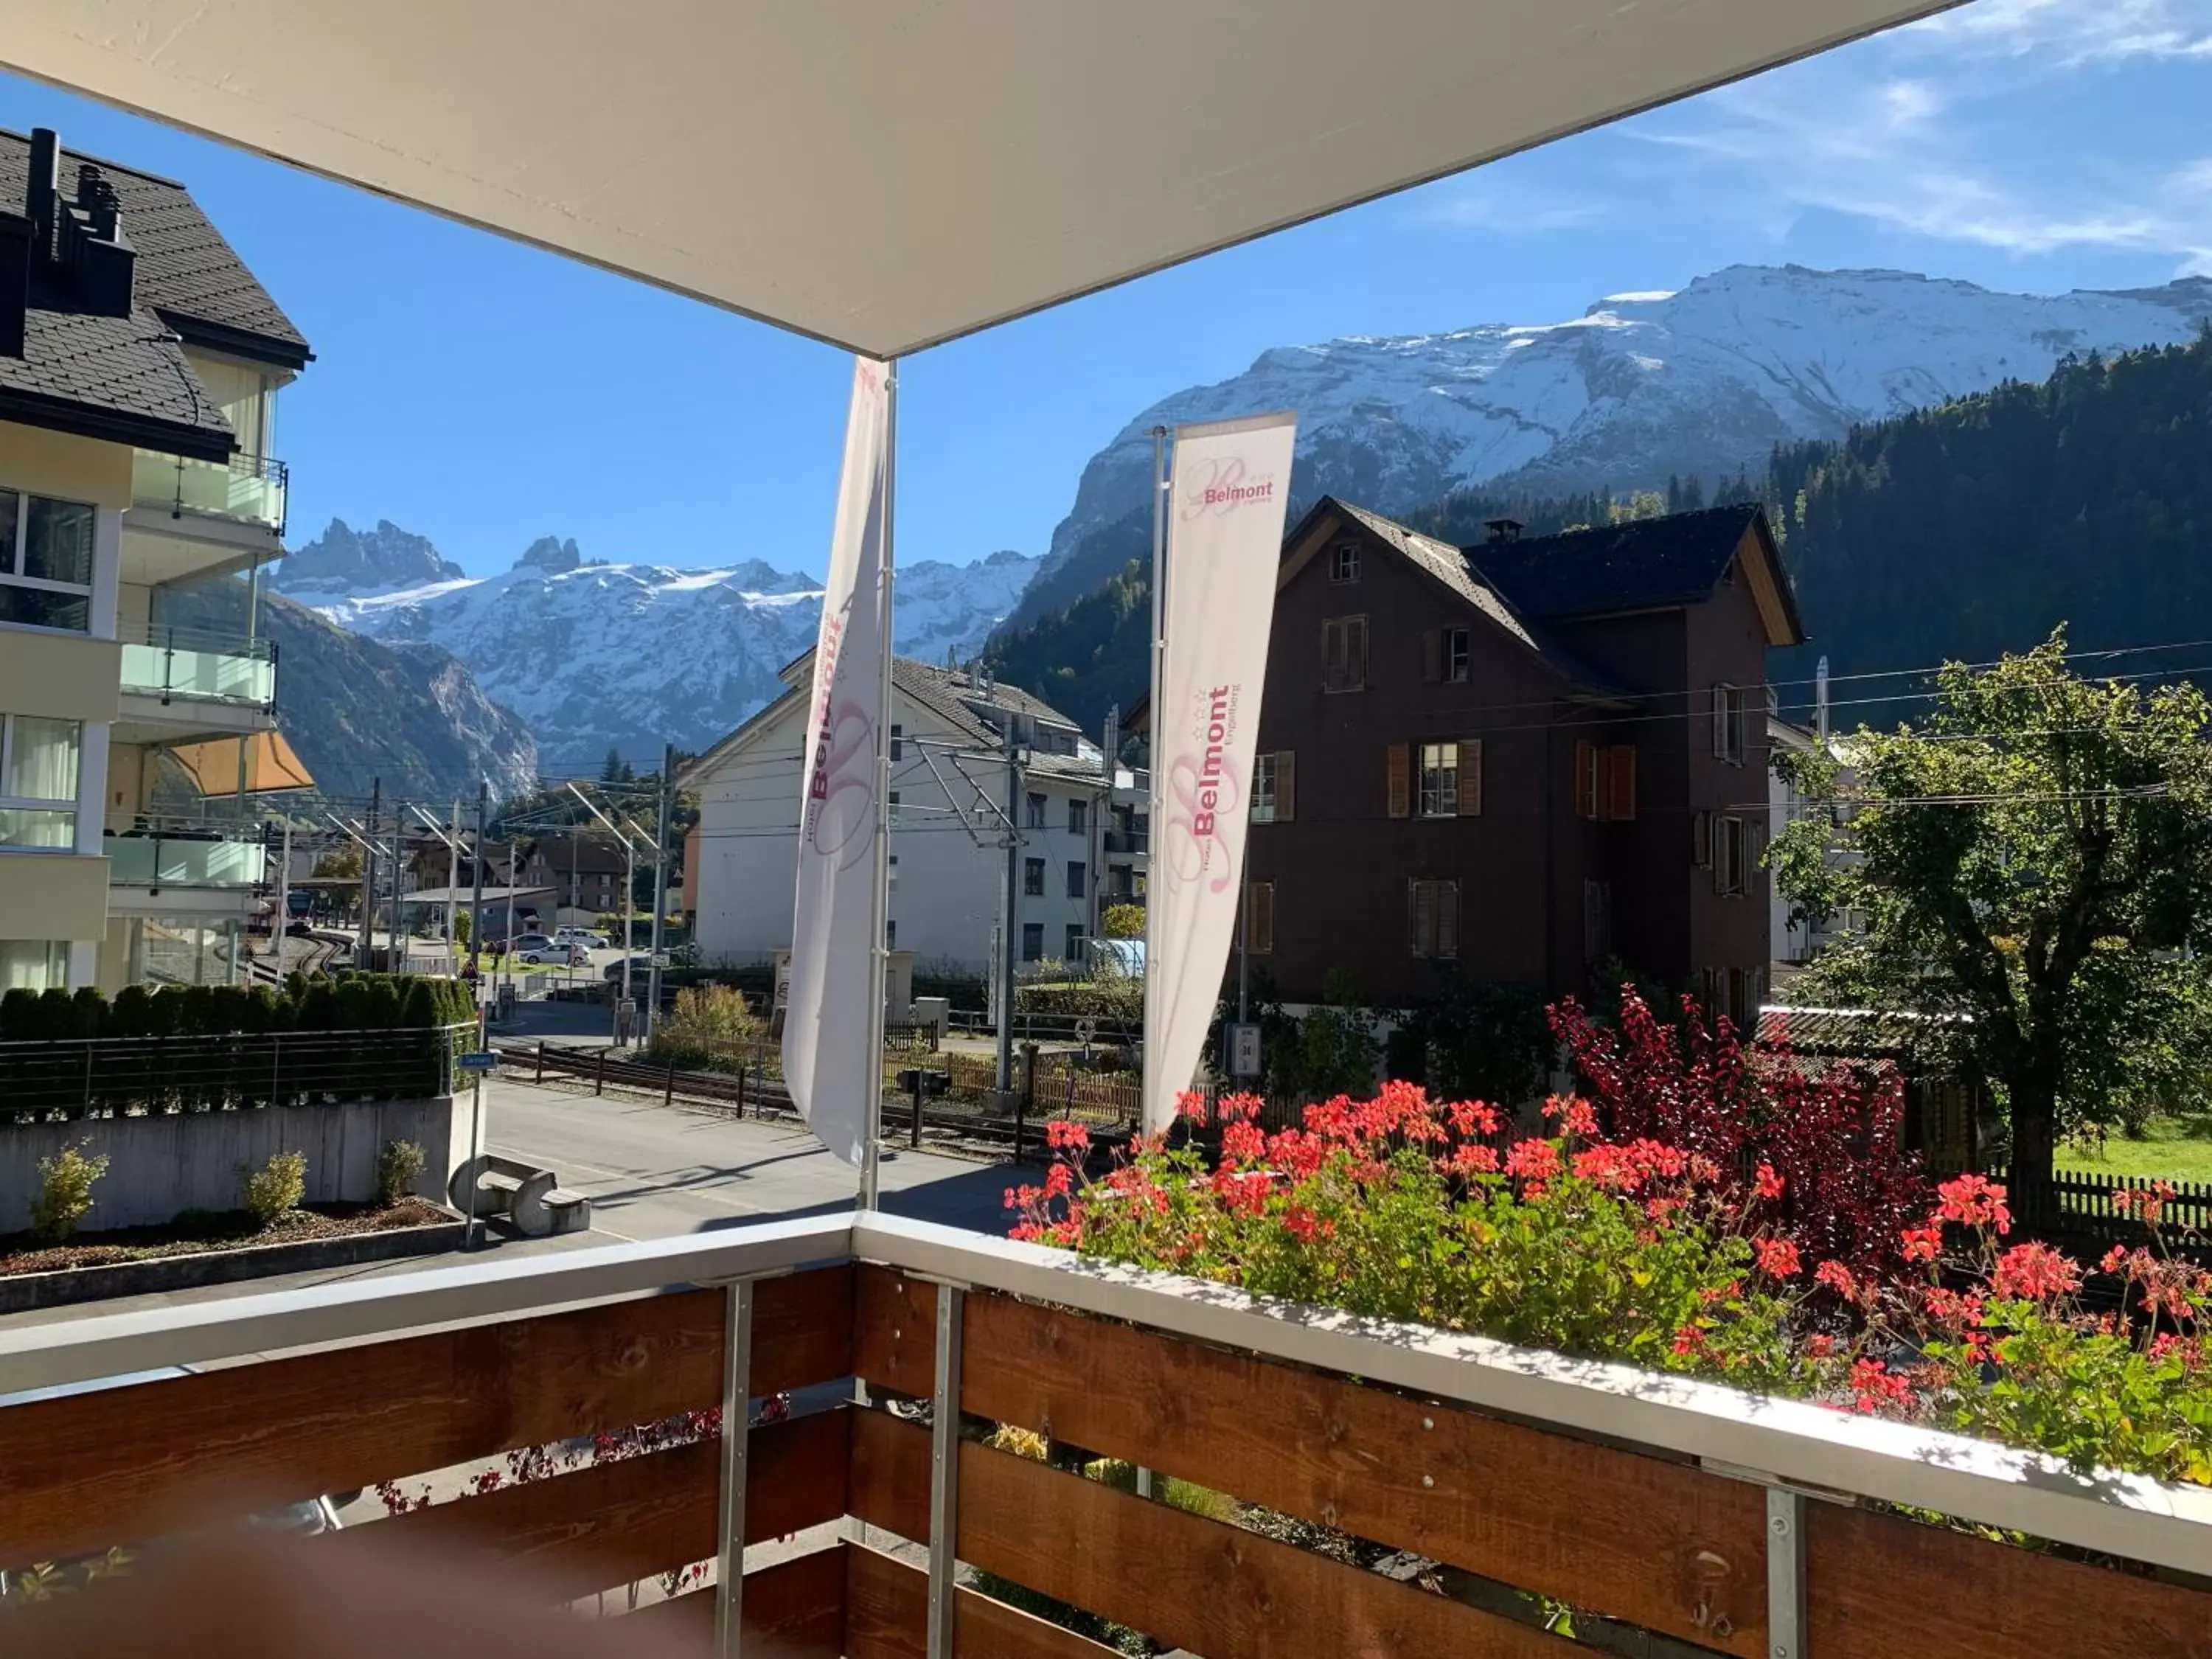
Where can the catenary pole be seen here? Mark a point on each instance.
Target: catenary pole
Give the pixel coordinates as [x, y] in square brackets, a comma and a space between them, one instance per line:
[476, 892]
[659, 884]
[369, 876]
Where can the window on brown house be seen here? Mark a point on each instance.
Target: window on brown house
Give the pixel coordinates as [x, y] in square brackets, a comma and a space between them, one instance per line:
[1446, 653]
[1344, 653]
[1701, 840]
[1729, 724]
[1730, 844]
[1604, 780]
[1275, 787]
[1439, 781]
[1259, 918]
[1620, 782]
[1343, 562]
[1435, 918]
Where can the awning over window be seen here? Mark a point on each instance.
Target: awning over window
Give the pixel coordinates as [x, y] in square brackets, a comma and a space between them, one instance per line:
[890, 176]
[270, 764]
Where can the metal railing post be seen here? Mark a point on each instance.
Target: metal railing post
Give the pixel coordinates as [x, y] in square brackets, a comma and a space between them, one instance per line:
[275, 1068]
[737, 1409]
[1785, 1574]
[945, 1473]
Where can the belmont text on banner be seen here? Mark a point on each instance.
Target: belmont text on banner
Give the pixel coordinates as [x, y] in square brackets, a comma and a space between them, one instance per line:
[1224, 508]
[832, 1078]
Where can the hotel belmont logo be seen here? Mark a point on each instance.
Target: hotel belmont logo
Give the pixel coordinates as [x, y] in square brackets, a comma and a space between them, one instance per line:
[1204, 790]
[1222, 486]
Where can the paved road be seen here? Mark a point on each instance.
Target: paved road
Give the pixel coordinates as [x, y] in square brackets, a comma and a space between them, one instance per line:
[654, 1171]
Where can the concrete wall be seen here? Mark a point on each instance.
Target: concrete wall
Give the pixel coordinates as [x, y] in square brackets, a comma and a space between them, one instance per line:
[160, 1165]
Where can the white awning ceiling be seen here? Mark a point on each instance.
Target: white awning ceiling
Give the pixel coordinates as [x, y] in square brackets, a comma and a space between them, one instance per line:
[892, 175]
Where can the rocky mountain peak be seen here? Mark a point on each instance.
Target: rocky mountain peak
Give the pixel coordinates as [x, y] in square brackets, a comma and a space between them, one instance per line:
[345, 560]
[551, 555]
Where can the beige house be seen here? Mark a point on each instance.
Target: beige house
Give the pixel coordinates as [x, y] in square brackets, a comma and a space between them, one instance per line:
[139, 367]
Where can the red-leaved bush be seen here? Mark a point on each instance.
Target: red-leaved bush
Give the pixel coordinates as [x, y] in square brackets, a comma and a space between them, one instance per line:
[1843, 1188]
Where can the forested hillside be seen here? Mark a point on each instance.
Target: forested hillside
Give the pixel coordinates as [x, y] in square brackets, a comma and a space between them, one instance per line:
[1958, 532]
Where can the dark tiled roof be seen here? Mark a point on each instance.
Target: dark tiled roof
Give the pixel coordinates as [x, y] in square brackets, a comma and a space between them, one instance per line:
[1450, 567]
[187, 274]
[1641, 565]
[1860, 1033]
[115, 377]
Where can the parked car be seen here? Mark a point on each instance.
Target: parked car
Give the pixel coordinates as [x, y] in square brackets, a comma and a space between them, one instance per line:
[528, 945]
[640, 966]
[583, 936]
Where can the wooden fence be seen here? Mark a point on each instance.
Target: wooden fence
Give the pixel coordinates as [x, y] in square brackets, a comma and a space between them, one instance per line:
[2092, 1212]
[1505, 1523]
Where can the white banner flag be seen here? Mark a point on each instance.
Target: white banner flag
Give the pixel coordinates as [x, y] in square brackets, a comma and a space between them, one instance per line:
[832, 1076]
[1225, 504]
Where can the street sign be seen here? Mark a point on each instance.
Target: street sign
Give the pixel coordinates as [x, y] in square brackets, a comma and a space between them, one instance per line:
[480, 1059]
[1244, 1051]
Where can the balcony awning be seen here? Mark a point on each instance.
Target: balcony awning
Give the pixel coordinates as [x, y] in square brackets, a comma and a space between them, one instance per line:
[888, 176]
[270, 764]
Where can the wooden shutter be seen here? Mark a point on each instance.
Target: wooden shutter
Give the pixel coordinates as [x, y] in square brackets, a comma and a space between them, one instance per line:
[1701, 839]
[1620, 781]
[1720, 722]
[1447, 918]
[1261, 922]
[1287, 785]
[1585, 780]
[1355, 654]
[1400, 804]
[1332, 655]
[1422, 895]
[1470, 777]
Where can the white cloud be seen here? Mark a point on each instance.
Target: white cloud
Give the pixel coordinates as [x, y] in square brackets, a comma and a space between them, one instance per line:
[2073, 32]
[1513, 213]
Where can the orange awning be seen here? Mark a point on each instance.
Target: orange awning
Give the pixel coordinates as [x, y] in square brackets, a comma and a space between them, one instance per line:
[270, 764]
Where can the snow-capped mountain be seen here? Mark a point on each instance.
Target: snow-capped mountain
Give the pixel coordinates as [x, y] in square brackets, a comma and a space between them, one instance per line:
[1699, 382]
[598, 655]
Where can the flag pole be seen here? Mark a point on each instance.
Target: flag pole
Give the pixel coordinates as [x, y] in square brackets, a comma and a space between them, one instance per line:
[1155, 824]
[880, 908]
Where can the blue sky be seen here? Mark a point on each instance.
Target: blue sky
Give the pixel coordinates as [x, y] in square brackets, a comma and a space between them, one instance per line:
[484, 394]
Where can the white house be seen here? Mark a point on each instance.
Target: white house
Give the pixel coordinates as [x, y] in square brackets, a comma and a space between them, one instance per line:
[949, 795]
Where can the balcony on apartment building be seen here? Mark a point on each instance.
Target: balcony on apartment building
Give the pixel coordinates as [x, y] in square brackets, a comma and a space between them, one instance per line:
[160, 865]
[1668, 1513]
[181, 680]
[192, 519]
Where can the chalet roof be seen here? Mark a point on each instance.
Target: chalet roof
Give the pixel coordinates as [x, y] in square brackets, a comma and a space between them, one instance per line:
[1641, 564]
[1872, 1033]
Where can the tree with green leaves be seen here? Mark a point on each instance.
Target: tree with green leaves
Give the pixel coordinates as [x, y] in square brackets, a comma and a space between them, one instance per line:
[2036, 857]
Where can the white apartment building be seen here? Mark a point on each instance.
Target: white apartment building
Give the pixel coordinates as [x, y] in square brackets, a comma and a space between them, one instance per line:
[950, 791]
[139, 367]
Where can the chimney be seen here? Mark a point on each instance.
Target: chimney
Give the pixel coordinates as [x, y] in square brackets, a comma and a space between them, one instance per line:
[99, 256]
[42, 194]
[1502, 530]
[14, 281]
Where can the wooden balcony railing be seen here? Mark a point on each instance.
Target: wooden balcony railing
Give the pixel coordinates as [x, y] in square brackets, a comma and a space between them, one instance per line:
[1673, 1516]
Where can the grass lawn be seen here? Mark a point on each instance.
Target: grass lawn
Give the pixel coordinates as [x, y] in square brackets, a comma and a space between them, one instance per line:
[2177, 1148]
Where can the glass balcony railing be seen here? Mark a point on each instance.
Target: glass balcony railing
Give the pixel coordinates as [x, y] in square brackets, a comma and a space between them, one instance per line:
[245, 489]
[208, 665]
[206, 856]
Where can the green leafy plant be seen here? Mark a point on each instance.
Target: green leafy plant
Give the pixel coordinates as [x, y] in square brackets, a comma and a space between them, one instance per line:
[65, 1183]
[710, 1028]
[399, 1164]
[1122, 922]
[274, 1190]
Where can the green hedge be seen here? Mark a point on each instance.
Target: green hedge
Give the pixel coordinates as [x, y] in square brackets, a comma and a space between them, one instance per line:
[347, 1001]
[1113, 1001]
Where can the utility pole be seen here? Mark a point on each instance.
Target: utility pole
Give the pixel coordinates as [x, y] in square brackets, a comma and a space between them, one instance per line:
[453, 885]
[1010, 930]
[399, 964]
[475, 896]
[283, 916]
[369, 876]
[660, 884]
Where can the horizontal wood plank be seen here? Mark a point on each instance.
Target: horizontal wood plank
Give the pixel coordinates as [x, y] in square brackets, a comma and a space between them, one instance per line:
[1639, 1539]
[792, 1610]
[887, 1609]
[894, 1330]
[120, 1466]
[1880, 1585]
[1190, 1582]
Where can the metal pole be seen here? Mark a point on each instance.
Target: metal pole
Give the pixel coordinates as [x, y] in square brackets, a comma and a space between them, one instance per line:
[630, 887]
[880, 897]
[476, 894]
[1244, 947]
[475, 1151]
[509, 951]
[368, 877]
[659, 884]
[1154, 715]
[1010, 902]
[945, 1473]
[737, 1411]
[399, 964]
[283, 916]
[453, 883]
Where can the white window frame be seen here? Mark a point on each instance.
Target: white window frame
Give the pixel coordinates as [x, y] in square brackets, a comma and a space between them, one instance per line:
[1731, 739]
[1263, 787]
[13, 550]
[1344, 563]
[1458, 654]
[73, 806]
[1440, 799]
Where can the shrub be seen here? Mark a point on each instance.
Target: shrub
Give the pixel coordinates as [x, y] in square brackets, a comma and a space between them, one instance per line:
[464, 928]
[399, 1165]
[274, 1190]
[1122, 922]
[705, 1019]
[1110, 1001]
[66, 1182]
